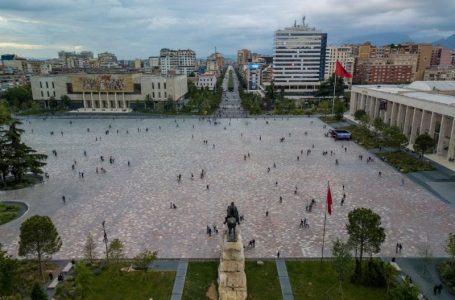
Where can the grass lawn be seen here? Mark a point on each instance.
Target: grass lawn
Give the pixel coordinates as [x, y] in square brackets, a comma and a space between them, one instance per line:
[8, 212]
[406, 162]
[199, 277]
[262, 281]
[365, 139]
[330, 119]
[115, 284]
[313, 280]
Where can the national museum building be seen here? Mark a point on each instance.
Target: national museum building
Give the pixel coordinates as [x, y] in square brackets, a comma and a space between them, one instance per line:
[418, 108]
[108, 92]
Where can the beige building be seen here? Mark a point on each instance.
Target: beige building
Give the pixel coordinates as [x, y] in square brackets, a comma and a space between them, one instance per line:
[417, 108]
[440, 73]
[108, 92]
[207, 80]
[344, 55]
[243, 56]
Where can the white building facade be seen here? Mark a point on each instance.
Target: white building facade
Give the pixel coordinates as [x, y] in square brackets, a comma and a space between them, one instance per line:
[418, 108]
[299, 60]
[207, 80]
[178, 61]
[344, 55]
[108, 92]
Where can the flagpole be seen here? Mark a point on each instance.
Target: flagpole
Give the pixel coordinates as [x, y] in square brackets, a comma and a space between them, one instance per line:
[334, 86]
[323, 232]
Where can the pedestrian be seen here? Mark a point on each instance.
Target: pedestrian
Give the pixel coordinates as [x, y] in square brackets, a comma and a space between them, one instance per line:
[51, 277]
[208, 187]
[266, 213]
[278, 254]
[129, 163]
[342, 201]
[439, 289]
[379, 173]
[281, 199]
[435, 289]
[343, 187]
[63, 199]
[402, 181]
[301, 223]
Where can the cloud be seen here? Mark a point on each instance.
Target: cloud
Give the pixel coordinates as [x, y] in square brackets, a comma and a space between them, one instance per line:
[139, 28]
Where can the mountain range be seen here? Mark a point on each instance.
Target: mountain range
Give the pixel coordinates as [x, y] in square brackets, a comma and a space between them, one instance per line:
[448, 42]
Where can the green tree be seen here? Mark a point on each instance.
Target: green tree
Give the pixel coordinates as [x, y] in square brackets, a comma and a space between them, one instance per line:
[148, 103]
[39, 238]
[390, 274]
[339, 109]
[89, 248]
[65, 101]
[324, 107]
[359, 114]
[37, 292]
[393, 137]
[450, 247]
[405, 290]
[342, 259]
[18, 97]
[365, 234]
[115, 250]
[9, 276]
[423, 143]
[143, 259]
[326, 88]
[53, 103]
[19, 158]
[84, 277]
[5, 115]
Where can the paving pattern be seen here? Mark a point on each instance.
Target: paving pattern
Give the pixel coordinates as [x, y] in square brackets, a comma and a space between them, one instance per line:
[134, 201]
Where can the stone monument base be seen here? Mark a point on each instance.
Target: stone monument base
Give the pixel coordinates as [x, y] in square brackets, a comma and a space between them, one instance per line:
[231, 271]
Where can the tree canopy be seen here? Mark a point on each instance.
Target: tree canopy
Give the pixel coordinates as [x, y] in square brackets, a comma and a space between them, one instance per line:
[423, 143]
[326, 88]
[365, 233]
[38, 237]
[16, 157]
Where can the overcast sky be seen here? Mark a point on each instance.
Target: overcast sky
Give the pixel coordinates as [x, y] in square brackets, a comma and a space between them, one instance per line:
[140, 28]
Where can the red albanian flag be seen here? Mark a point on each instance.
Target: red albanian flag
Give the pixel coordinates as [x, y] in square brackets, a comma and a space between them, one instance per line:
[341, 71]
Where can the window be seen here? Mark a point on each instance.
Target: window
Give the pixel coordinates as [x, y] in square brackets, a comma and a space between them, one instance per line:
[53, 93]
[153, 86]
[159, 94]
[48, 93]
[164, 85]
[159, 85]
[47, 85]
[153, 95]
[42, 94]
[40, 85]
[53, 85]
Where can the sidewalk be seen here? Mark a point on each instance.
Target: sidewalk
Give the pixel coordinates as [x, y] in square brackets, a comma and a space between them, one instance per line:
[414, 267]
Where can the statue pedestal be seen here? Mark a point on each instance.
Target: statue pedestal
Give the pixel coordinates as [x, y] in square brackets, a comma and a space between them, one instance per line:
[231, 271]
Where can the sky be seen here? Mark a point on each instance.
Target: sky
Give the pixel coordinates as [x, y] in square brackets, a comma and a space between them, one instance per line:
[140, 28]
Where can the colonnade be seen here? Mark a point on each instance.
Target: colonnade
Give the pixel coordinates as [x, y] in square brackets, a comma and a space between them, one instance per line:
[117, 102]
[412, 121]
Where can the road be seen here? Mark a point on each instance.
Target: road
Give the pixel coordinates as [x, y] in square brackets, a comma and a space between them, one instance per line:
[230, 106]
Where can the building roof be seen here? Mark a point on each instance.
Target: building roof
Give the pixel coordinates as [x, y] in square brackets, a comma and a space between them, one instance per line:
[432, 91]
[448, 85]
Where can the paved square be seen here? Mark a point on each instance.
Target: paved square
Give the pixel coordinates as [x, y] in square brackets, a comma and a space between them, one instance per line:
[135, 200]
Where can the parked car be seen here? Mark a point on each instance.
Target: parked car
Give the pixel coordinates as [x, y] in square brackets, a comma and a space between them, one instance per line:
[339, 134]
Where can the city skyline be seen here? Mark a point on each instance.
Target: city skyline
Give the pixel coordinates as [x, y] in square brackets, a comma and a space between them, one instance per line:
[139, 29]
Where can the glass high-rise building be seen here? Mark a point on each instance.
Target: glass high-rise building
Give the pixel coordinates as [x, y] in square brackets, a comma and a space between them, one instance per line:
[299, 60]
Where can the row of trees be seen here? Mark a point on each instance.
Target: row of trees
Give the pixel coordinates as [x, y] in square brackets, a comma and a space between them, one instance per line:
[39, 239]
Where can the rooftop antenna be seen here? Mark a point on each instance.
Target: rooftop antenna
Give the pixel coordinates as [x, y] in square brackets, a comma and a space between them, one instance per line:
[303, 21]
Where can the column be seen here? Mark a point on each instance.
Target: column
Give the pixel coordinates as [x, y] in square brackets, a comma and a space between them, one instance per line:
[393, 113]
[398, 120]
[123, 100]
[388, 112]
[92, 100]
[376, 108]
[432, 124]
[115, 100]
[99, 99]
[83, 100]
[451, 152]
[424, 124]
[363, 101]
[407, 120]
[415, 125]
[108, 101]
[442, 134]
[353, 104]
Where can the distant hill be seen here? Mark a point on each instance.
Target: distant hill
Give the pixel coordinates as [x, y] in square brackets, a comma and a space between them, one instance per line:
[448, 42]
[379, 39]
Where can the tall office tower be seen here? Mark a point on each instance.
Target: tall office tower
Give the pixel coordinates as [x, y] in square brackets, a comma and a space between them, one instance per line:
[299, 60]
